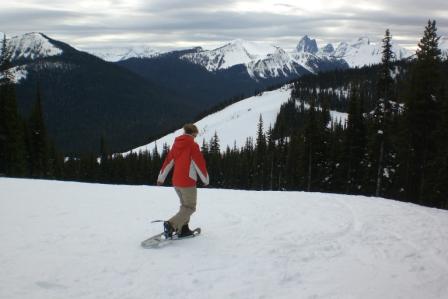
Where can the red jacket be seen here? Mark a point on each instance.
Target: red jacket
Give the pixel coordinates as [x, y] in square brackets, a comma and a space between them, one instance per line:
[188, 162]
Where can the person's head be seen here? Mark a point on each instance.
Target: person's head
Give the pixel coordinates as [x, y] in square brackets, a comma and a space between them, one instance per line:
[191, 129]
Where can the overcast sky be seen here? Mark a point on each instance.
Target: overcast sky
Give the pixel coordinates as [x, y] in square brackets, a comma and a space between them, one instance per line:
[170, 24]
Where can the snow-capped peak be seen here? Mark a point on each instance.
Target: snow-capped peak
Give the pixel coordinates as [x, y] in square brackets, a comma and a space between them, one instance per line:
[32, 46]
[328, 49]
[443, 46]
[307, 44]
[122, 53]
[361, 52]
[233, 53]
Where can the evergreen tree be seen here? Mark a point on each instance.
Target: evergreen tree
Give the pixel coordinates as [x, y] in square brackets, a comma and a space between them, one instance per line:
[335, 178]
[439, 166]
[246, 170]
[423, 112]
[104, 161]
[291, 176]
[37, 135]
[260, 156]
[311, 140]
[214, 161]
[156, 164]
[355, 142]
[380, 145]
[12, 147]
[271, 159]
[55, 162]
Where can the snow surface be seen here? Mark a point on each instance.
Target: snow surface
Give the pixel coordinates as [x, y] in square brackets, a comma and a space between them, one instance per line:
[73, 240]
[235, 123]
[18, 73]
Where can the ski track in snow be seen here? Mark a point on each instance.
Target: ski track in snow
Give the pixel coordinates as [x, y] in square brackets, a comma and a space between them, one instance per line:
[73, 240]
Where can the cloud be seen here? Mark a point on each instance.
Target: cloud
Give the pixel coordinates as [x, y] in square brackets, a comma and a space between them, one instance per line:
[180, 23]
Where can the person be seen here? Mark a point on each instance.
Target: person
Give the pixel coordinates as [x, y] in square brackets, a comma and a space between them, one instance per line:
[189, 163]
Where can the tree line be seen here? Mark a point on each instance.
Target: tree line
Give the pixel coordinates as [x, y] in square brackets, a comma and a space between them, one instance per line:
[393, 143]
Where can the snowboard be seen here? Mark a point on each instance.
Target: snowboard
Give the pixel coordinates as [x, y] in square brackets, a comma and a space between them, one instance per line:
[159, 240]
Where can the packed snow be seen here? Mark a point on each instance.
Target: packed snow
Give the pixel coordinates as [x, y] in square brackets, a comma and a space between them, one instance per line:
[72, 240]
[231, 123]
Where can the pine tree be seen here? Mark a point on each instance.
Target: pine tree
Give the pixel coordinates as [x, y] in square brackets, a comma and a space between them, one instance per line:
[423, 112]
[311, 139]
[381, 147]
[12, 147]
[56, 162]
[336, 176]
[439, 166]
[271, 159]
[355, 142]
[214, 161]
[38, 141]
[260, 156]
[156, 164]
[104, 161]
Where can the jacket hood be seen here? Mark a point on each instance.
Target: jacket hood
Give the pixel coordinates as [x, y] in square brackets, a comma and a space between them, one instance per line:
[183, 141]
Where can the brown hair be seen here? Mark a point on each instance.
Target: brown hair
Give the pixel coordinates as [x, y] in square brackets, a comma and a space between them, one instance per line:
[190, 129]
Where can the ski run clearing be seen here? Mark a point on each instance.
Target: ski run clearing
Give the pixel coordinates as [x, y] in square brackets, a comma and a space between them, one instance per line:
[74, 240]
[231, 123]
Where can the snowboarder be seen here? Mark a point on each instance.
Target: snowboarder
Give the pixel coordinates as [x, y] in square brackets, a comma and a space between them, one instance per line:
[189, 163]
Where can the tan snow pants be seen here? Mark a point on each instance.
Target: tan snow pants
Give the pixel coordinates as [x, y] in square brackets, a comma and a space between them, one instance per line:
[187, 198]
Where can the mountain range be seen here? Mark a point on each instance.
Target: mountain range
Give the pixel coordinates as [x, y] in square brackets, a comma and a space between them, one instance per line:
[265, 60]
[85, 98]
[130, 95]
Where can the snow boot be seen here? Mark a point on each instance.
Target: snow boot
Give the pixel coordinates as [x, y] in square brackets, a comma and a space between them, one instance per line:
[168, 230]
[185, 232]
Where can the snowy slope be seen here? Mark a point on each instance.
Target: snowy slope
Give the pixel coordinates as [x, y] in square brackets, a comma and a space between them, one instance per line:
[28, 46]
[72, 240]
[18, 73]
[235, 123]
[32, 46]
[118, 54]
